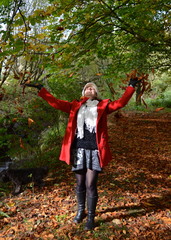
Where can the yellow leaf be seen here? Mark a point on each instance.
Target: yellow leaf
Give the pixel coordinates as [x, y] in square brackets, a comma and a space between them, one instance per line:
[147, 204]
[41, 36]
[11, 204]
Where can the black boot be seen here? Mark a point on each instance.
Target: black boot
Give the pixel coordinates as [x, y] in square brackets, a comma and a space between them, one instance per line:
[81, 196]
[91, 204]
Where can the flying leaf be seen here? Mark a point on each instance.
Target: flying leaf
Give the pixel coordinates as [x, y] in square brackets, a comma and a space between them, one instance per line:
[159, 109]
[1, 96]
[71, 75]
[20, 110]
[21, 143]
[14, 119]
[30, 121]
[28, 81]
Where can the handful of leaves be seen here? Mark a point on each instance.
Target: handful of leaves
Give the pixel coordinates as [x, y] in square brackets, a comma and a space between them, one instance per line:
[143, 80]
[143, 85]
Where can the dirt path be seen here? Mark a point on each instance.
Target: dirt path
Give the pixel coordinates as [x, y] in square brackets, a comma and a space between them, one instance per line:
[141, 173]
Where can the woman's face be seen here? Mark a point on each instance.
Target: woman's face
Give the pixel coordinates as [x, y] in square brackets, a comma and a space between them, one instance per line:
[90, 92]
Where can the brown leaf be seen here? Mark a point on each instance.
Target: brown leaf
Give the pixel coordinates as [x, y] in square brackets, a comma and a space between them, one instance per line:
[60, 28]
[21, 143]
[159, 109]
[166, 220]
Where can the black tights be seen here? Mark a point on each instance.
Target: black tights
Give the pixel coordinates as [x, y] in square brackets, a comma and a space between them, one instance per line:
[87, 181]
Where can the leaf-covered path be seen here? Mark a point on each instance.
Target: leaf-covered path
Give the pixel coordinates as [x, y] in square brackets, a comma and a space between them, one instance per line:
[134, 190]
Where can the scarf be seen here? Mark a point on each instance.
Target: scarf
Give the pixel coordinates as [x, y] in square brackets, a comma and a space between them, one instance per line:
[87, 115]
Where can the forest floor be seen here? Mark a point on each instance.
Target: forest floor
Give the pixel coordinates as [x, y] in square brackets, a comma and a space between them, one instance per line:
[134, 190]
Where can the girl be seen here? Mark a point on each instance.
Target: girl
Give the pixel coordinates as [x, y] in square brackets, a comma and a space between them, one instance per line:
[85, 144]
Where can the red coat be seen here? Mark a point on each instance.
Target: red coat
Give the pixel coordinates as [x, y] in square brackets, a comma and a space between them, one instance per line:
[104, 108]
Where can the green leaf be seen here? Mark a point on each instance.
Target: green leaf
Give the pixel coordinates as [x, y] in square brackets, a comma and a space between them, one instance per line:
[2, 214]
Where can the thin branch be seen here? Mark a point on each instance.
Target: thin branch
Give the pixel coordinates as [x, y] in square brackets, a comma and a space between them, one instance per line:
[15, 10]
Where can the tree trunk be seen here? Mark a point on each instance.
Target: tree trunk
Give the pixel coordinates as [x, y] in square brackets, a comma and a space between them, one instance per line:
[138, 95]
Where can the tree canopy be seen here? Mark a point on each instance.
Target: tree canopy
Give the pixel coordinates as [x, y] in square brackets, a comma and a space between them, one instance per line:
[45, 35]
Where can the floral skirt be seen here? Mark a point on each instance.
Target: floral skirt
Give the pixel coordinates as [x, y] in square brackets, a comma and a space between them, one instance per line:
[85, 159]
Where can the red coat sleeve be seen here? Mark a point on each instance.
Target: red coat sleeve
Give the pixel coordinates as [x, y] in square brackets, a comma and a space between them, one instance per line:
[62, 105]
[121, 102]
